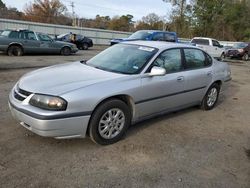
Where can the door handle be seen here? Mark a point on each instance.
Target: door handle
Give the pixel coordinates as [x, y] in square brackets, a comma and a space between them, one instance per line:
[180, 78]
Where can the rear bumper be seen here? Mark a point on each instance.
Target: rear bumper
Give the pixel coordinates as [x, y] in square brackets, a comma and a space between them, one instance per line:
[68, 127]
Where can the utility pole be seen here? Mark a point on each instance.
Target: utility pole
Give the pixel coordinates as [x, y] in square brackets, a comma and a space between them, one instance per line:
[72, 4]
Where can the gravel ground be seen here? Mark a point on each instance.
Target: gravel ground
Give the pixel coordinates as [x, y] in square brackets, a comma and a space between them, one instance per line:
[190, 148]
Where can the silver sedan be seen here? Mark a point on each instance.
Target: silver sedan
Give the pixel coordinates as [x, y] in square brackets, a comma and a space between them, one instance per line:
[124, 84]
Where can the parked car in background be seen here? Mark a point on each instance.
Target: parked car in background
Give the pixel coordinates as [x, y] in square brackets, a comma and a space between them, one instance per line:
[19, 42]
[124, 84]
[1, 31]
[211, 46]
[154, 35]
[239, 50]
[82, 42]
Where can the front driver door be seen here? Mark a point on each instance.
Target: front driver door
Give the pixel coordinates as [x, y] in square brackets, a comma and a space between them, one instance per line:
[163, 93]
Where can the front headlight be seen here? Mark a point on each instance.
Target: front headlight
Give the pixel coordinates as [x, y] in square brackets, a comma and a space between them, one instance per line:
[240, 50]
[48, 102]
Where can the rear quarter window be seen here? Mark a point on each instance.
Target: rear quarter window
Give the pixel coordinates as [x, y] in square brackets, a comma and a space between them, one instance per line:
[200, 41]
[195, 58]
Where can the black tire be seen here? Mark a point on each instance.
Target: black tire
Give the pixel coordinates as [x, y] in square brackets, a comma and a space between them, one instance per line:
[15, 50]
[223, 56]
[65, 51]
[85, 46]
[245, 57]
[206, 105]
[99, 114]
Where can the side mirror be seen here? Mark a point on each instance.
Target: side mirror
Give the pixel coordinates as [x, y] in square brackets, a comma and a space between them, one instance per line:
[157, 71]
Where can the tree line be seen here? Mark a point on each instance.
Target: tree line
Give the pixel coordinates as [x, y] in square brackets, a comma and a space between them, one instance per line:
[220, 19]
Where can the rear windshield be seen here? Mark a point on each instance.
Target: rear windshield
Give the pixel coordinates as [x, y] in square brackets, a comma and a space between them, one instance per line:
[200, 41]
[5, 33]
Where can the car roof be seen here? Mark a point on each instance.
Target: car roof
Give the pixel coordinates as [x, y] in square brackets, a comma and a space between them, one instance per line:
[206, 38]
[161, 45]
[154, 31]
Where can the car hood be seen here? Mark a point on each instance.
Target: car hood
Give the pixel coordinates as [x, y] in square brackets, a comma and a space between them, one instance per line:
[61, 79]
[125, 39]
[63, 43]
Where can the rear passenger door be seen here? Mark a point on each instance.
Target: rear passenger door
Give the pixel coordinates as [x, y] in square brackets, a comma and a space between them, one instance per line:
[30, 42]
[198, 73]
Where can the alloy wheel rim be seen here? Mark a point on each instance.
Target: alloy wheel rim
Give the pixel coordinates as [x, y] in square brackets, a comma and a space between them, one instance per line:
[212, 97]
[111, 123]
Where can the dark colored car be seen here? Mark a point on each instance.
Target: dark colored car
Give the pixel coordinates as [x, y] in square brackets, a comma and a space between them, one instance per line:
[154, 35]
[19, 42]
[239, 50]
[82, 42]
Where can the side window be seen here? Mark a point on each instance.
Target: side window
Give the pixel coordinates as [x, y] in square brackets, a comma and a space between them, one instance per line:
[194, 58]
[209, 60]
[216, 43]
[158, 37]
[30, 36]
[170, 60]
[14, 34]
[169, 37]
[43, 37]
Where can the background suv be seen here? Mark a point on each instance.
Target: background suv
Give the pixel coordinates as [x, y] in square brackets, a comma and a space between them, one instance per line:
[154, 35]
[239, 50]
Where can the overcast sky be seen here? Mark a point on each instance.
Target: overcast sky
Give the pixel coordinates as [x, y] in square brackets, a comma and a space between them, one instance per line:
[90, 8]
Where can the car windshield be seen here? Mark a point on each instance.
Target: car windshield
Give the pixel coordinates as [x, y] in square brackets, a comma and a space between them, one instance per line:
[123, 58]
[240, 45]
[44, 37]
[140, 35]
[5, 33]
[61, 36]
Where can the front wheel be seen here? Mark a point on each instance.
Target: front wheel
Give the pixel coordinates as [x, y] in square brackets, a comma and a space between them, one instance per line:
[211, 97]
[65, 51]
[109, 122]
[245, 57]
[85, 46]
[15, 51]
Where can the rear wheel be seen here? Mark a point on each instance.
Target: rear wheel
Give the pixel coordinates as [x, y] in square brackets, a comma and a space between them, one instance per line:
[245, 57]
[85, 46]
[211, 97]
[223, 56]
[15, 51]
[65, 51]
[109, 122]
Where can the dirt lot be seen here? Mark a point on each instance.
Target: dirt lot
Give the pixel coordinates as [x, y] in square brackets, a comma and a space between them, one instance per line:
[191, 148]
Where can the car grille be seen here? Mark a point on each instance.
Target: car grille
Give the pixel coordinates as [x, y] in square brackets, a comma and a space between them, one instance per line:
[21, 94]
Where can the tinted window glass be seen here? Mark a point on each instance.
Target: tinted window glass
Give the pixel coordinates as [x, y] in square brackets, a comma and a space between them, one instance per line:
[158, 37]
[194, 58]
[170, 37]
[30, 35]
[14, 34]
[5, 33]
[140, 35]
[170, 60]
[209, 60]
[200, 41]
[215, 43]
[43, 37]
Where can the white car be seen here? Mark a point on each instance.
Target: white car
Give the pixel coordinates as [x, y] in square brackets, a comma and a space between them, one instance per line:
[211, 46]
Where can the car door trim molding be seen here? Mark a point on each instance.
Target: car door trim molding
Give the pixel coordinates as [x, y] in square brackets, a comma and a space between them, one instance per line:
[50, 117]
[169, 95]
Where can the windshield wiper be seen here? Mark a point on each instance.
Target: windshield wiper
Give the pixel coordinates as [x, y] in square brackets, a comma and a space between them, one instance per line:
[105, 69]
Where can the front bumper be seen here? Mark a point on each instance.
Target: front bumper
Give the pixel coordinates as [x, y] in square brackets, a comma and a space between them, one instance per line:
[61, 128]
[74, 49]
